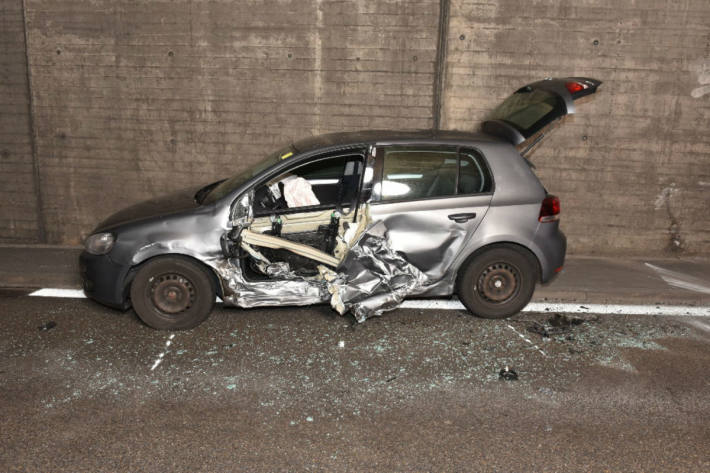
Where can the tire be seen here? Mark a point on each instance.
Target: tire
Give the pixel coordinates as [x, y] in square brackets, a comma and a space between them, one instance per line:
[172, 293]
[498, 283]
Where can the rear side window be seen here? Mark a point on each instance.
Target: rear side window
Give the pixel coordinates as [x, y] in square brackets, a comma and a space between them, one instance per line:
[474, 177]
[411, 174]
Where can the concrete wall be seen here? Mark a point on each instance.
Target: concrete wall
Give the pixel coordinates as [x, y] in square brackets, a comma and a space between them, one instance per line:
[134, 99]
[18, 198]
[632, 168]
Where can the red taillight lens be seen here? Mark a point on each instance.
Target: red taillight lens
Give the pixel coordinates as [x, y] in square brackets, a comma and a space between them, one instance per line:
[550, 209]
[574, 87]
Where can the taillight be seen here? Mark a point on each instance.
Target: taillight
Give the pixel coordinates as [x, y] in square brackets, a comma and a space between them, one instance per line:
[574, 87]
[550, 209]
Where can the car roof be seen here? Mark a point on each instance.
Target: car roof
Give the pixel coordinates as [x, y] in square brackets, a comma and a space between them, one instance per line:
[390, 136]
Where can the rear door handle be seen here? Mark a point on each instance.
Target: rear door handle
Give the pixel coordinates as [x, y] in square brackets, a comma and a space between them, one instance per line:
[462, 218]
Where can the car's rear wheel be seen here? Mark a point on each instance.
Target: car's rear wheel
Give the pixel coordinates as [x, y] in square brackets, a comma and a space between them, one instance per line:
[172, 293]
[498, 282]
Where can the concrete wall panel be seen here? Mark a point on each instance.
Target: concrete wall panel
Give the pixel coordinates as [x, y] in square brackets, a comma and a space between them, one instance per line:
[633, 166]
[18, 201]
[134, 99]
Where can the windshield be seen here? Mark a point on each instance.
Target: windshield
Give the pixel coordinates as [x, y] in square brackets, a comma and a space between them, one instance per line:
[230, 185]
[529, 110]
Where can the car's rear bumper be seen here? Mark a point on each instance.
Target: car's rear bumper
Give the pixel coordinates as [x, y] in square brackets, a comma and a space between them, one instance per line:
[552, 244]
[104, 280]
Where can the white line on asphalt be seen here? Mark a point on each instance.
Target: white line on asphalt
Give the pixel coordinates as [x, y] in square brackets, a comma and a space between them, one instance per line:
[67, 293]
[699, 325]
[623, 309]
[455, 304]
[683, 281]
[526, 339]
[51, 292]
[162, 355]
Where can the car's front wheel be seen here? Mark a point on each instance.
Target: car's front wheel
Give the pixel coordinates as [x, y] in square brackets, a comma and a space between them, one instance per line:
[498, 282]
[172, 293]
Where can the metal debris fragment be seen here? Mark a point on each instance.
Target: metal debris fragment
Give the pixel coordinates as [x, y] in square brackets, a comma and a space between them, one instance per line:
[508, 374]
[48, 326]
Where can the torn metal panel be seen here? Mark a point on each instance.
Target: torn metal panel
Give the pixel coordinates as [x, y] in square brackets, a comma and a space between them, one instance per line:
[370, 276]
[243, 293]
[373, 278]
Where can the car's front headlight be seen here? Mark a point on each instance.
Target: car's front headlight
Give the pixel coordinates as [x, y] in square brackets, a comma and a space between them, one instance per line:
[99, 243]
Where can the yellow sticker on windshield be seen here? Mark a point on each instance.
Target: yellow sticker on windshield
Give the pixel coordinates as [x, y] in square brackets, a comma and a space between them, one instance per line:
[287, 155]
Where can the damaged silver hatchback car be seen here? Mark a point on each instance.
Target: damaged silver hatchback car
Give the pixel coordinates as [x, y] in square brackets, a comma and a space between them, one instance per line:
[361, 220]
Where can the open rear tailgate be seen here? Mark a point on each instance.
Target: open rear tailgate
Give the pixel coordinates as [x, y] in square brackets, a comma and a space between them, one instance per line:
[533, 107]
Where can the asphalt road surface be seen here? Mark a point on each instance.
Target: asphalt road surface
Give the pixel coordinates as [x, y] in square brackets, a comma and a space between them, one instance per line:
[308, 390]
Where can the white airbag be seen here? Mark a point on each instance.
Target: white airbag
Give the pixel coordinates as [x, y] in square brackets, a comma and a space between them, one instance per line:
[298, 192]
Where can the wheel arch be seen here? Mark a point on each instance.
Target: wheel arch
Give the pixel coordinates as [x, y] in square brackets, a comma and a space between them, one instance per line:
[128, 280]
[522, 249]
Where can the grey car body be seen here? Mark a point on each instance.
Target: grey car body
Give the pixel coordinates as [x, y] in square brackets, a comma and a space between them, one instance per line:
[402, 247]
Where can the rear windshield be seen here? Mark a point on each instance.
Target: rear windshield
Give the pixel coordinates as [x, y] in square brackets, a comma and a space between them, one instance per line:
[529, 110]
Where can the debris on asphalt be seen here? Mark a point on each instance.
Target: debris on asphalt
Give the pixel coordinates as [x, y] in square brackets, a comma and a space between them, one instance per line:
[557, 324]
[48, 326]
[508, 374]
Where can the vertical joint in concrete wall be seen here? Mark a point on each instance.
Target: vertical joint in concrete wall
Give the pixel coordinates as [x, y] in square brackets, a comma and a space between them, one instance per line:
[36, 178]
[440, 64]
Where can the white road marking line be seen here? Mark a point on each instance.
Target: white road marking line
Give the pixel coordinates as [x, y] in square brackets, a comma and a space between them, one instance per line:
[69, 293]
[162, 355]
[455, 304]
[699, 325]
[526, 339]
[683, 281]
[53, 292]
[572, 308]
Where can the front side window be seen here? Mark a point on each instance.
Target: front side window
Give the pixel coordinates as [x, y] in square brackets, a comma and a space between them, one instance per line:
[325, 183]
[412, 174]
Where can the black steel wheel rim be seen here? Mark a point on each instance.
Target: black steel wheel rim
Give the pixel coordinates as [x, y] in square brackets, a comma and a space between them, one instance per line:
[172, 293]
[498, 283]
